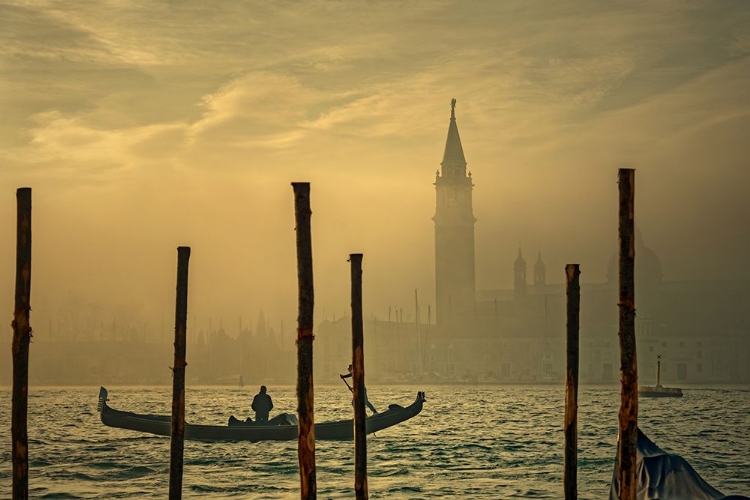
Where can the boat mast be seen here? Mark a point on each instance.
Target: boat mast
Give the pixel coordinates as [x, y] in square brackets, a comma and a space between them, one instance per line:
[416, 323]
[426, 334]
[658, 370]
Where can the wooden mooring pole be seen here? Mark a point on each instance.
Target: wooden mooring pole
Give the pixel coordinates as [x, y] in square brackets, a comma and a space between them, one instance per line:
[178, 377]
[573, 291]
[305, 392]
[20, 348]
[628, 418]
[358, 381]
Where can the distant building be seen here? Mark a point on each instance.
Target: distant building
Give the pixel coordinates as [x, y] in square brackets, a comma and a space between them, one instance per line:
[700, 328]
[454, 233]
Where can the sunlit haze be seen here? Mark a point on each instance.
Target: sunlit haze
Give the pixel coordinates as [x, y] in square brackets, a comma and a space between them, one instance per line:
[142, 126]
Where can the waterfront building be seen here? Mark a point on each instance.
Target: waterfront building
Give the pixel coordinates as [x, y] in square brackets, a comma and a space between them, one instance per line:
[517, 334]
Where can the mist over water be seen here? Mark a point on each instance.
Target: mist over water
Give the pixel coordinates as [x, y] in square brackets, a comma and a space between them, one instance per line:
[469, 442]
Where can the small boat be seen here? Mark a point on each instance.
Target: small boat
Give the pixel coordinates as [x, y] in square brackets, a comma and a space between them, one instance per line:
[283, 427]
[658, 390]
[666, 476]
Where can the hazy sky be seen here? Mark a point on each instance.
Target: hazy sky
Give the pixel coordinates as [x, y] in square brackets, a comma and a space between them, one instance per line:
[146, 125]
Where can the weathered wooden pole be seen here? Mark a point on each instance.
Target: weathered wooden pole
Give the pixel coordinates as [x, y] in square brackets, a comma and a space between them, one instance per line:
[626, 454]
[358, 381]
[178, 376]
[305, 392]
[573, 291]
[20, 348]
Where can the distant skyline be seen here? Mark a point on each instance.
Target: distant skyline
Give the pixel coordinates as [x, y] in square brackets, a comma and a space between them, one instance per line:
[142, 126]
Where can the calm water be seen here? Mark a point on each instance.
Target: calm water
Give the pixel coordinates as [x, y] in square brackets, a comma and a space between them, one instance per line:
[468, 442]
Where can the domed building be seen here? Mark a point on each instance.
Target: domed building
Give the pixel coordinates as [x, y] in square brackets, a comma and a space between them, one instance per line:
[648, 276]
[648, 270]
[518, 333]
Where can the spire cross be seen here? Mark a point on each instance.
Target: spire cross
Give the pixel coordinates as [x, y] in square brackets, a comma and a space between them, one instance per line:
[453, 108]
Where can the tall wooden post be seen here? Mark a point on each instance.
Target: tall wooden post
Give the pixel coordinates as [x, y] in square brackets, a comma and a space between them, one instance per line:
[305, 392]
[573, 291]
[20, 348]
[178, 376]
[628, 417]
[358, 381]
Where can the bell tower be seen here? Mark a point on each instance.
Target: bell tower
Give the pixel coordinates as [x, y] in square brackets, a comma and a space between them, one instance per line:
[540, 271]
[454, 233]
[519, 275]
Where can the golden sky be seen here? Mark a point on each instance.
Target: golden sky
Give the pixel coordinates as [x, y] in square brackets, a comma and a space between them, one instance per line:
[145, 125]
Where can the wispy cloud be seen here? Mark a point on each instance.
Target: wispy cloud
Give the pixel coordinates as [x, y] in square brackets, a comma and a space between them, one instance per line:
[740, 44]
[254, 104]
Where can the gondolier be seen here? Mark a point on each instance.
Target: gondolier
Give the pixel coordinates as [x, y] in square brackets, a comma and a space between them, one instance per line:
[367, 401]
[262, 405]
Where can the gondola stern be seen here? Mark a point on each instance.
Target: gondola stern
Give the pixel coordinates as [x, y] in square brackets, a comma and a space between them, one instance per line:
[102, 399]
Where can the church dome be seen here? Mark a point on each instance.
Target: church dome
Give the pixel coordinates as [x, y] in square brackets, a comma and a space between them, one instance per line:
[648, 269]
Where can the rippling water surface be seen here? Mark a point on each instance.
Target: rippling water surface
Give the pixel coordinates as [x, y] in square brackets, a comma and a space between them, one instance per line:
[468, 442]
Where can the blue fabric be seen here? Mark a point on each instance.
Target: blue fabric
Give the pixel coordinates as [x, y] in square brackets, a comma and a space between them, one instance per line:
[666, 476]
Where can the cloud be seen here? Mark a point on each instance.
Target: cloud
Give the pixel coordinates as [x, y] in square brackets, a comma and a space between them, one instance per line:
[78, 149]
[740, 44]
[255, 103]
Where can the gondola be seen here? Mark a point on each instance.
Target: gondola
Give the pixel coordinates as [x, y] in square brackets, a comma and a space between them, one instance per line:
[666, 476]
[281, 428]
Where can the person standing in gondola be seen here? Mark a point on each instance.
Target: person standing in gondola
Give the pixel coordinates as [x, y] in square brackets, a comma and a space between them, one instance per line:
[350, 369]
[262, 405]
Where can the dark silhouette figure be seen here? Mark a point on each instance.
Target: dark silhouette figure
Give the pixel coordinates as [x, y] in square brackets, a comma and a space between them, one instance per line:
[262, 405]
[367, 401]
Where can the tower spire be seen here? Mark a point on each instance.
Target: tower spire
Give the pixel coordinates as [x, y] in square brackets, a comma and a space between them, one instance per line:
[454, 162]
[519, 274]
[539, 271]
